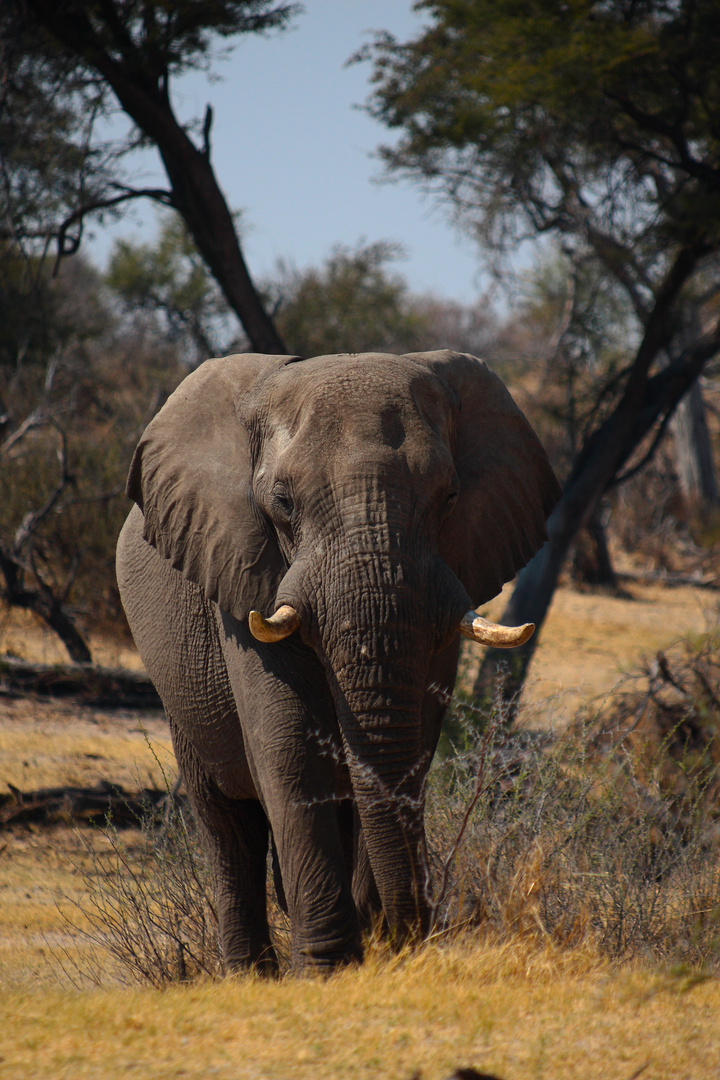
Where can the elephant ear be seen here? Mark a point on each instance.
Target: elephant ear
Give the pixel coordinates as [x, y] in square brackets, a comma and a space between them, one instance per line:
[190, 476]
[507, 486]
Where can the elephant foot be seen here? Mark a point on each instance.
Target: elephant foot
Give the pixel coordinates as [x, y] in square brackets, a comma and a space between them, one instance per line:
[263, 963]
[314, 959]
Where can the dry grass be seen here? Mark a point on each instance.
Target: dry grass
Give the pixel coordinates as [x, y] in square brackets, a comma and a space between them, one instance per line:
[39, 888]
[531, 991]
[516, 1010]
[590, 640]
[45, 743]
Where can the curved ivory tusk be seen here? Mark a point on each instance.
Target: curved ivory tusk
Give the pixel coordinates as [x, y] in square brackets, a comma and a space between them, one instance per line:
[282, 624]
[485, 632]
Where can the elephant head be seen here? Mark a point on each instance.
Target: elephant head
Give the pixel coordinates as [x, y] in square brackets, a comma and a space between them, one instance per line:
[367, 504]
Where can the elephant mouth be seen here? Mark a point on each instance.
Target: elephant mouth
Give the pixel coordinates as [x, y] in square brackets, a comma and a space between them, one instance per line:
[285, 621]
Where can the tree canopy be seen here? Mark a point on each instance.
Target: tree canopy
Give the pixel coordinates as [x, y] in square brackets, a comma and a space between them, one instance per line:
[594, 123]
[126, 52]
[352, 303]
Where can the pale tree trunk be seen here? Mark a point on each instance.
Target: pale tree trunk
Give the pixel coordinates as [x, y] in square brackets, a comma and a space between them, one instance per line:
[693, 449]
[693, 452]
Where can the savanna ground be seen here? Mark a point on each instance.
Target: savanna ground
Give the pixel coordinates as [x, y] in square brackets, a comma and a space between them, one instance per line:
[518, 1005]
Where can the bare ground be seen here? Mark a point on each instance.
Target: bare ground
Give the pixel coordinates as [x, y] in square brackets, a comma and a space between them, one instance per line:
[517, 1010]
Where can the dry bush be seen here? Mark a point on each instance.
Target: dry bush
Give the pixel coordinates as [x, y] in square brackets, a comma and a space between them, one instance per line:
[652, 521]
[609, 834]
[147, 912]
[70, 416]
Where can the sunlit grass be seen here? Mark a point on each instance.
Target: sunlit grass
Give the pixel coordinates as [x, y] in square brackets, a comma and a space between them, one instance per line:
[529, 994]
[518, 1010]
[46, 744]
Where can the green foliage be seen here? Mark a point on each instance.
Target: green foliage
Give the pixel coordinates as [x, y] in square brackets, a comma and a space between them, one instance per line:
[170, 280]
[169, 38]
[350, 304]
[50, 161]
[543, 115]
[133, 50]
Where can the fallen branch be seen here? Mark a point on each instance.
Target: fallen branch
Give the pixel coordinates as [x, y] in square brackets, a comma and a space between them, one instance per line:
[79, 806]
[671, 580]
[87, 684]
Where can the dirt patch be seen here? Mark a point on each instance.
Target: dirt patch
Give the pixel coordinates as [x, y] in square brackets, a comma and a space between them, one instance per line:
[43, 743]
[24, 635]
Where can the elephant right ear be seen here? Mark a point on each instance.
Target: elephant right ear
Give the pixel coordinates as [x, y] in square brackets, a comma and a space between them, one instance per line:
[507, 486]
[190, 476]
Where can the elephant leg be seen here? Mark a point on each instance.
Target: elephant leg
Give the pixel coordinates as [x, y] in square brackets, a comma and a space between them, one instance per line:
[235, 837]
[365, 889]
[288, 723]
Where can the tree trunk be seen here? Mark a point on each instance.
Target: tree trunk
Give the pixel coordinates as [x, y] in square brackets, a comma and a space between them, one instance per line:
[591, 562]
[693, 453]
[43, 603]
[693, 450]
[195, 192]
[645, 403]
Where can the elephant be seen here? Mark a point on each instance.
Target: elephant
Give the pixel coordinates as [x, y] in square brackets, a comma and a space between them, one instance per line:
[309, 543]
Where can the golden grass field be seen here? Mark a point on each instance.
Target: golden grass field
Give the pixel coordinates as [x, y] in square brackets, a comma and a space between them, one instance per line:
[519, 1009]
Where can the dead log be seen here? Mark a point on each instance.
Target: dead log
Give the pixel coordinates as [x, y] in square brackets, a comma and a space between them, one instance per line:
[81, 806]
[87, 684]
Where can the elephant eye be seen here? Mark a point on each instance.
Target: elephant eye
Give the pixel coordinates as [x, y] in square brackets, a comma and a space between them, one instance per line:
[281, 500]
[450, 500]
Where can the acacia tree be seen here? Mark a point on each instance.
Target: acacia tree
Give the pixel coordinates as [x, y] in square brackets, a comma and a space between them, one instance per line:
[594, 123]
[353, 302]
[169, 282]
[132, 50]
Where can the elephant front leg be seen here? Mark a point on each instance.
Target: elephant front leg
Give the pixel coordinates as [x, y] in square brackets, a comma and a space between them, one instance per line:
[235, 838]
[239, 866]
[290, 736]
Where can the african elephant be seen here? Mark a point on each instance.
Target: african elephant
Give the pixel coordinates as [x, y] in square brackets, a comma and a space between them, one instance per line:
[366, 503]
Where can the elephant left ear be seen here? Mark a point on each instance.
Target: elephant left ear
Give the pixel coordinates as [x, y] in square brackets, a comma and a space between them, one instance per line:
[507, 485]
[190, 476]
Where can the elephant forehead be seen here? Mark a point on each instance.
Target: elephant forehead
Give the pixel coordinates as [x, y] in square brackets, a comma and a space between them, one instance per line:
[372, 397]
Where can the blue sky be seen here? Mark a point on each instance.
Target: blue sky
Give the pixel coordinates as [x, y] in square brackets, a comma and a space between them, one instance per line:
[293, 151]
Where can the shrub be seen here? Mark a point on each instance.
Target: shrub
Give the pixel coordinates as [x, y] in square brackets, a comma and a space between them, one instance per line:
[147, 912]
[608, 835]
[610, 832]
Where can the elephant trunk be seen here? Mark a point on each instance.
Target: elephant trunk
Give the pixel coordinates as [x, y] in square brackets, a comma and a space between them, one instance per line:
[376, 615]
[387, 774]
[377, 640]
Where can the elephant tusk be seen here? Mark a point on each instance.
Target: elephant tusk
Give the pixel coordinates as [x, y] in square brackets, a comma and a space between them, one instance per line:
[477, 628]
[282, 624]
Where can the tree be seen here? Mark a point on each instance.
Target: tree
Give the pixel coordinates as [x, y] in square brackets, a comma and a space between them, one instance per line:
[169, 282]
[49, 164]
[133, 50]
[73, 405]
[352, 303]
[596, 124]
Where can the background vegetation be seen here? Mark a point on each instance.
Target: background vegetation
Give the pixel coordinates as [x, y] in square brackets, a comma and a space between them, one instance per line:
[557, 854]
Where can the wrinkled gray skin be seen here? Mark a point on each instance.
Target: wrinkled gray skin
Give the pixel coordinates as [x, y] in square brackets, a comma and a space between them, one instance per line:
[380, 496]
